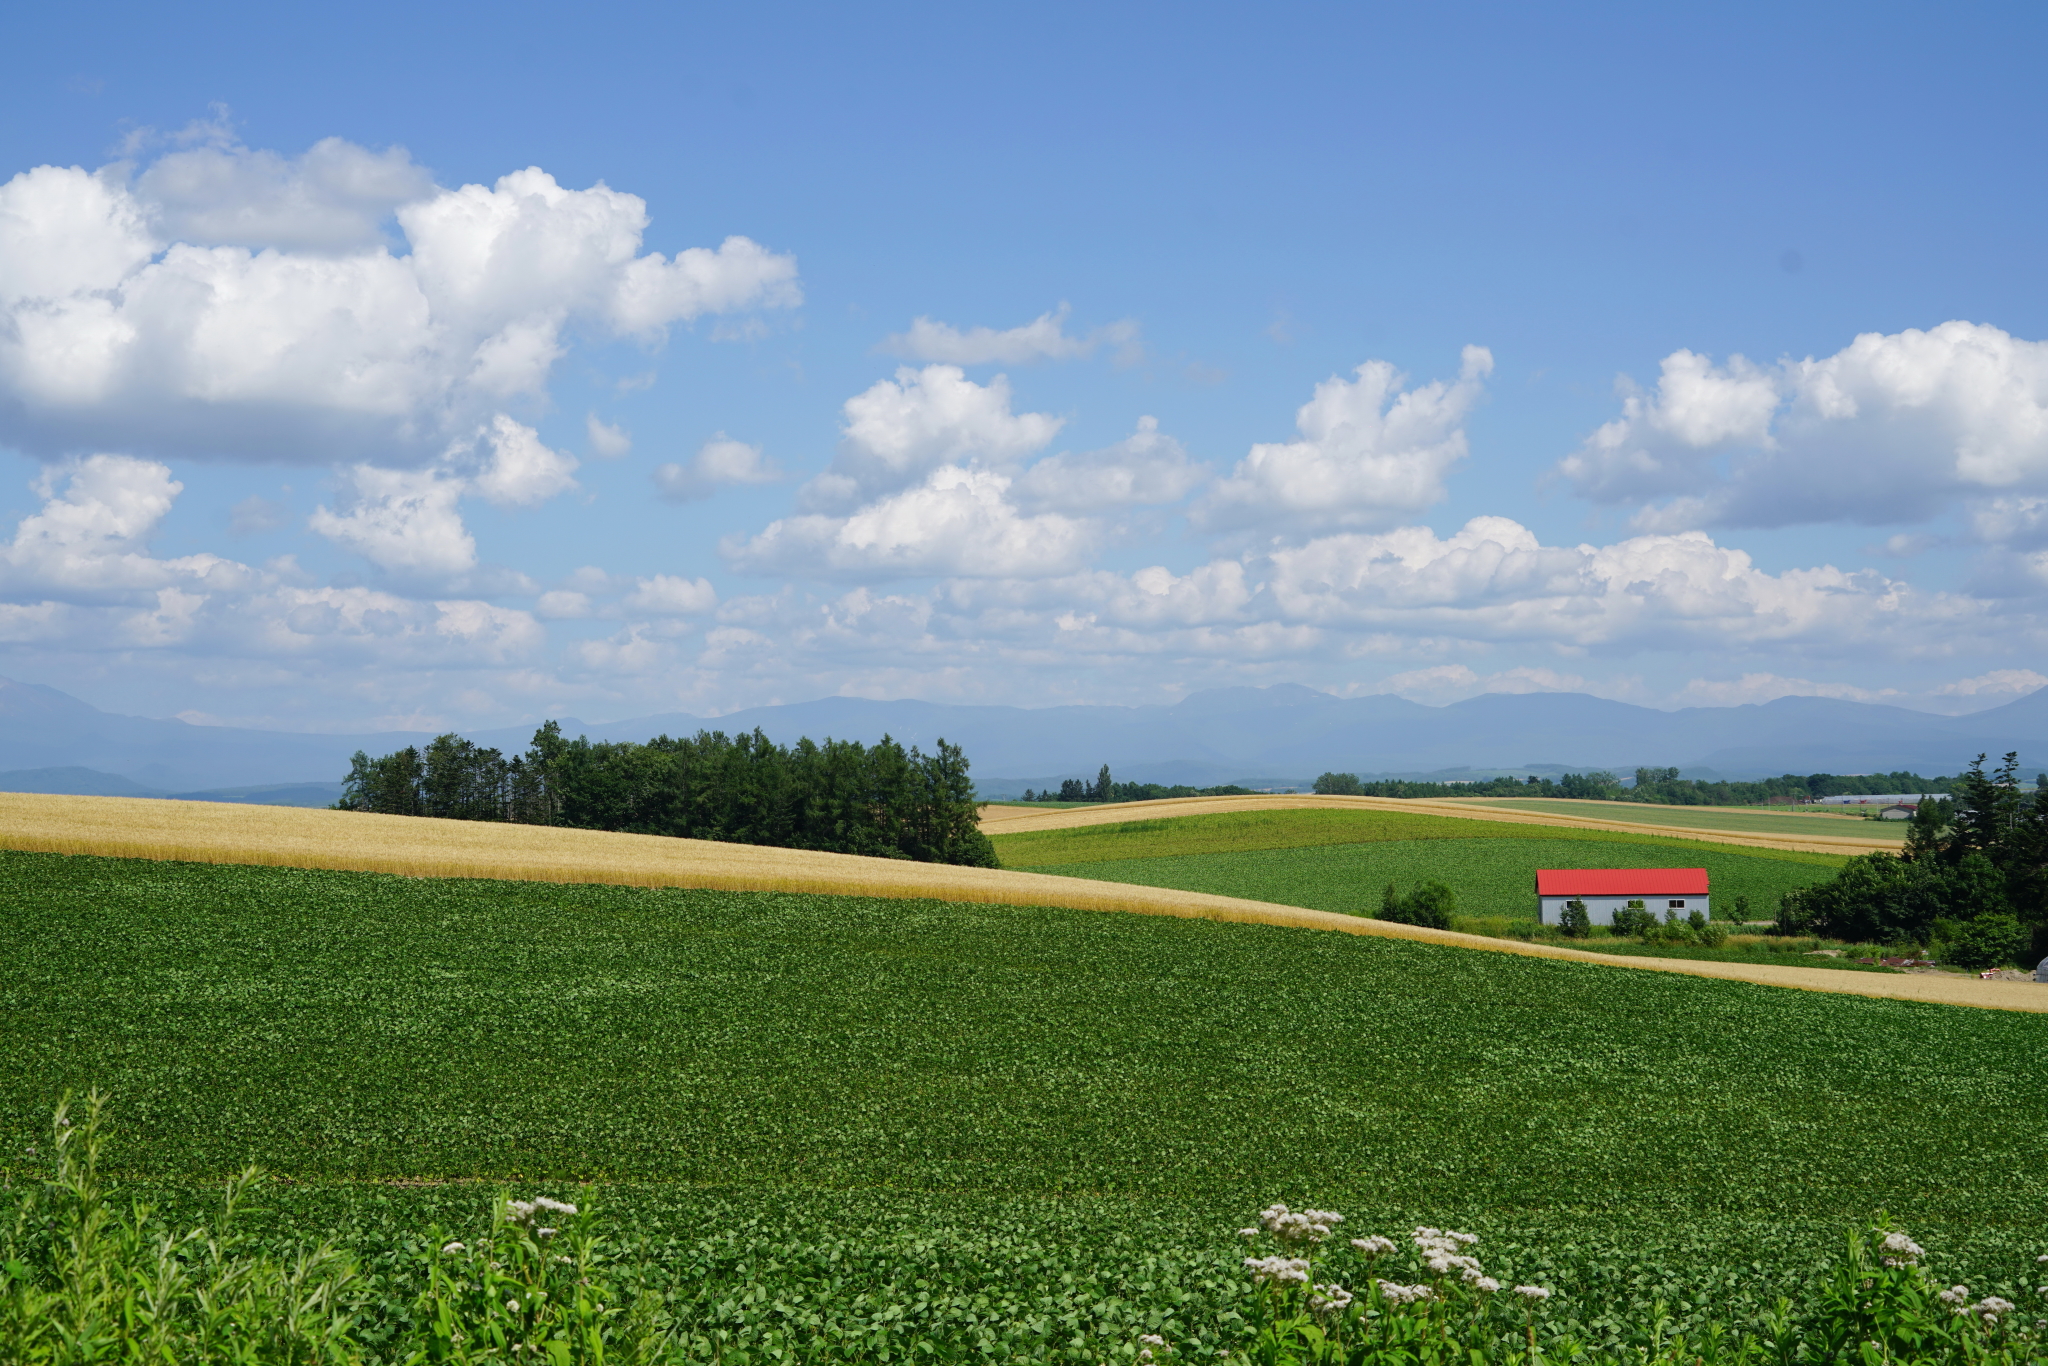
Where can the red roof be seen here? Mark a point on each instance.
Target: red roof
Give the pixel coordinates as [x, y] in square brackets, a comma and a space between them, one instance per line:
[1621, 882]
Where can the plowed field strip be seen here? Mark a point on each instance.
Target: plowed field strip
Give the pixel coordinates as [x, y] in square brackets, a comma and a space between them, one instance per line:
[296, 837]
[1005, 820]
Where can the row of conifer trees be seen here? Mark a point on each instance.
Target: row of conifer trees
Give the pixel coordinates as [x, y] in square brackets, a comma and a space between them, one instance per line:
[840, 796]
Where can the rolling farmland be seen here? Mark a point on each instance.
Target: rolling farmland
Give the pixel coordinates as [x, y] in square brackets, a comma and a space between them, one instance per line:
[1038, 1114]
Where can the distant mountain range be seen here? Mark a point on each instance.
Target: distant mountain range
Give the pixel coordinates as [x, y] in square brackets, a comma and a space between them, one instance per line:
[1261, 737]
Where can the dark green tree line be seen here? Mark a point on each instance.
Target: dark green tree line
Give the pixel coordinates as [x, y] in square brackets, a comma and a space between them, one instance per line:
[1595, 784]
[1107, 789]
[1973, 877]
[1653, 786]
[840, 796]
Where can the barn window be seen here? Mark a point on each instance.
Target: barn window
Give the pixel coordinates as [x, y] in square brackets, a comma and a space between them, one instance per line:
[1677, 905]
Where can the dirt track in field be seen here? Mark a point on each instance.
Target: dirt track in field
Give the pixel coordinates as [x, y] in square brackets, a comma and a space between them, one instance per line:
[295, 837]
[1007, 820]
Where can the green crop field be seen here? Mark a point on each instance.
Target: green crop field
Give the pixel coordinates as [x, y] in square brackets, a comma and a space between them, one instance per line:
[910, 1128]
[1342, 860]
[1781, 821]
[1492, 877]
[1243, 831]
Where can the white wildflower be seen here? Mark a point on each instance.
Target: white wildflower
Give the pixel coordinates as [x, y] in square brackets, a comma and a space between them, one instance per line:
[519, 1211]
[1329, 1299]
[511, 1306]
[1394, 1292]
[1374, 1246]
[448, 1248]
[1900, 1250]
[1152, 1339]
[553, 1206]
[1532, 1293]
[1991, 1308]
[1282, 1270]
[1247, 1233]
[1486, 1285]
[1440, 1242]
[1303, 1226]
[1956, 1296]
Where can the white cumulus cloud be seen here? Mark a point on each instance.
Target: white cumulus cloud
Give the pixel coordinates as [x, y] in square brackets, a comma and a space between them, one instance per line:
[669, 595]
[1892, 428]
[1371, 451]
[521, 471]
[1043, 338]
[117, 332]
[719, 463]
[335, 197]
[958, 521]
[606, 439]
[403, 521]
[901, 429]
[90, 541]
[1148, 466]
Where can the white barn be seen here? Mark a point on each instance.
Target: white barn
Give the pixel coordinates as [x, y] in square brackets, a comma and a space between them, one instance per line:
[1607, 890]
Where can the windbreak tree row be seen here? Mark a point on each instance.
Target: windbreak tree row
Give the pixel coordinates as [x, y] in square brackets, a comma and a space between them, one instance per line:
[840, 797]
[1653, 786]
[1973, 878]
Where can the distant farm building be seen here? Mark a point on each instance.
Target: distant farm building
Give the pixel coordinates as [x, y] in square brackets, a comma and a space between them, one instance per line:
[1901, 812]
[1607, 890]
[1878, 799]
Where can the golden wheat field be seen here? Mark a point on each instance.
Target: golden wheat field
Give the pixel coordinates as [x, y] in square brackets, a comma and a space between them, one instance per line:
[297, 837]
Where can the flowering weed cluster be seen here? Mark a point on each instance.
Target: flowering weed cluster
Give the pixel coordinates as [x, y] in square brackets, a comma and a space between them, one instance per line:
[82, 1282]
[1881, 1306]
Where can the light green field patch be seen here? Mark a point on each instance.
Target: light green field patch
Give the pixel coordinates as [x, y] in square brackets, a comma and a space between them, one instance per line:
[1302, 828]
[1492, 877]
[1783, 822]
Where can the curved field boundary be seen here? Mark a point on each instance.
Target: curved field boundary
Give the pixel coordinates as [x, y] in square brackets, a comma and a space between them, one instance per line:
[296, 837]
[1009, 820]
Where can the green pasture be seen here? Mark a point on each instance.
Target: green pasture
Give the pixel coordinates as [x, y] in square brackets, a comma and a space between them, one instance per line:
[1492, 877]
[1246, 831]
[1335, 860]
[1785, 822]
[1011, 1133]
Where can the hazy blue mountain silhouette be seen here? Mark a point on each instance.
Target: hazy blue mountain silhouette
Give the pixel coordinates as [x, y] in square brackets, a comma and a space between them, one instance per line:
[1265, 736]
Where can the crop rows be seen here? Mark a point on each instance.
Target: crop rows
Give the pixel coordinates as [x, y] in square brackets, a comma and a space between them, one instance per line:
[945, 1106]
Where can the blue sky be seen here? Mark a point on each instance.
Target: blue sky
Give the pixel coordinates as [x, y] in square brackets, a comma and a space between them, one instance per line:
[1682, 356]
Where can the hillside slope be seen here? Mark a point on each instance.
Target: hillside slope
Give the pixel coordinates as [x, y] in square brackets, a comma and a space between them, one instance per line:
[292, 837]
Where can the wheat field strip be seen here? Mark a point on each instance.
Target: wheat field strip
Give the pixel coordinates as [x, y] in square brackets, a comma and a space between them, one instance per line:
[1011, 820]
[413, 846]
